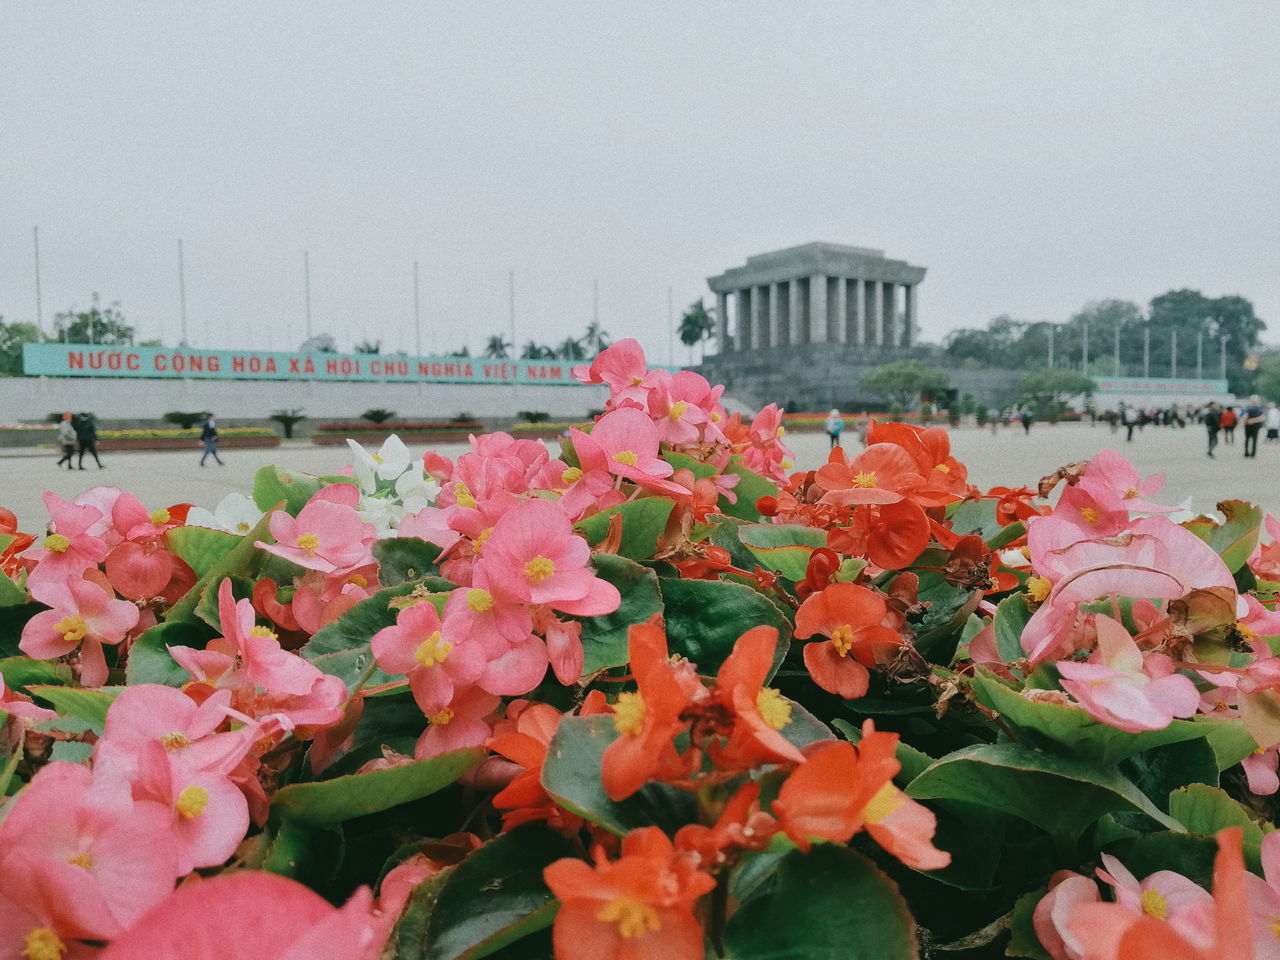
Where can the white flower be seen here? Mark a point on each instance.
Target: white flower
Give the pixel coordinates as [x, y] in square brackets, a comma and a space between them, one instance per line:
[391, 460]
[235, 513]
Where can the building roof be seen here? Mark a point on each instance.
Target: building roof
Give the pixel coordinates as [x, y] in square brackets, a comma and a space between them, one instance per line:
[831, 259]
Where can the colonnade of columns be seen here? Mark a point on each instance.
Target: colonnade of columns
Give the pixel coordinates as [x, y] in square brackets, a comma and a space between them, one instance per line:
[819, 309]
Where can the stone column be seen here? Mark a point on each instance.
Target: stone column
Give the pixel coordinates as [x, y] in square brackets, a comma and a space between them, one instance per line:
[818, 332]
[890, 314]
[742, 310]
[856, 332]
[776, 308]
[759, 317]
[840, 330]
[909, 306]
[722, 321]
[796, 311]
[875, 312]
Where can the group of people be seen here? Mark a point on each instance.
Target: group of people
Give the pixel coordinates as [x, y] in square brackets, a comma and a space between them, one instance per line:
[78, 432]
[835, 426]
[1253, 418]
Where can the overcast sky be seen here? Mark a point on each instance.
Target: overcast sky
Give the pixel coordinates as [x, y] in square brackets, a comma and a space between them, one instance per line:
[1032, 155]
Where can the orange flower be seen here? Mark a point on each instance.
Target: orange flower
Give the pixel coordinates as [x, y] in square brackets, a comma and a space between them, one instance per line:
[523, 798]
[638, 908]
[890, 536]
[759, 712]
[742, 825]
[648, 720]
[882, 473]
[850, 617]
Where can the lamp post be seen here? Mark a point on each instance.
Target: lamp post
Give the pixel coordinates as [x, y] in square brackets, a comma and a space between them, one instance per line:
[1173, 354]
[1200, 355]
[1051, 346]
[1117, 347]
[1223, 341]
[1146, 352]
[1084, 349]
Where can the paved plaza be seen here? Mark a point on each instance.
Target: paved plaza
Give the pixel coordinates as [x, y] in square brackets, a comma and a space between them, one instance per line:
[1009, 457]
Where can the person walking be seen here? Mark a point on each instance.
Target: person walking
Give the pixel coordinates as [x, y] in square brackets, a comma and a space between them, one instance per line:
[834, 426]
[1254, 418]
[1025, 417]
[1211, 419]
[1273, 422]
[1131, 417]
[209, 437]
[66, 440]
[87, 438]
[1228, 419]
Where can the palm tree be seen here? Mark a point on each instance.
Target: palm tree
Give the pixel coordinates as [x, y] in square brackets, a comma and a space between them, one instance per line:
[696, 325]
[533, 350]
[571, 349]
[595, 339]
[496, 348]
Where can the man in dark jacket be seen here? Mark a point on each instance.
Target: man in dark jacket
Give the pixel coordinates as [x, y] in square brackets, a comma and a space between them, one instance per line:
[87, 438]
[1212, 420]
[209, 435]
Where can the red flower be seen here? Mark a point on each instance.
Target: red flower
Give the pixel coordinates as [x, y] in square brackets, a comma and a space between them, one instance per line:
[523, 798]
[882, 473]
[759, 712]
[638, 908]
[849, 616]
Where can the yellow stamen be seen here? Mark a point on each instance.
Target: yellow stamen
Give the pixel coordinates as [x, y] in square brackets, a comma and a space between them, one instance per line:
[716, 418]
[1090, 515]
[261, 631]
[865, 479]
[243, 527]
[627, 457]
[782, 431]
[72, 628]
[773, 708]
[462, 496]
[56, 543]
[943, 467]
[481, 538]
[636, 381]
[1247, 633]
[571, 475]
[481, 601]
[628, 713]
[842, 639]
[307, 541]
[887, 799]
[42, 944]
[787, 464]
[82, 860]
[1038, 588]
[1154, 904]
[432, 650]
[160, 517]
[1131, 493]
[677, 409]
[633, 917]
[376, 458]
[358, 579]
[441, 719]
[175, 740]
[538, 569]
[192, 801]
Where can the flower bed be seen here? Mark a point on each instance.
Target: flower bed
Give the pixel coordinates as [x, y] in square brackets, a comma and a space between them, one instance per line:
[185, 439]
[659, 698]
[412, 432]
[547, 430]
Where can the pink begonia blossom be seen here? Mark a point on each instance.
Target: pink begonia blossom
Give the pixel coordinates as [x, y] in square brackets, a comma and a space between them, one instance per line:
[251, 915]
[766, 453]
[486, 609]
[1154, 559]
[84, 615]
[564, 650]
[1260, 621]
[624, 442]
[1164, 894]
[38, 931]
[535, 554]
[513, 669]
[435, 664]
[92, 860]
[1265, 560]
[466, 722]
[674, 407]
[133, 521]
[69, 549]
[1091, 518]
[150, 713]
[139, 570]
[16, 705]
[1067, 890]
[623, 367]
[326, 535]
[1114, 483]
[1118, 686]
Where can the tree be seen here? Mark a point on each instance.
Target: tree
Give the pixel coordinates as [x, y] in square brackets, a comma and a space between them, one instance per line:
[368, 346]
[98, 324]
[1056, 385]
[595, 339]
[904, 382]
[498, 348]
[1267, 382]
[532, 350]
[288, 419]
[696, 325]
[571, 349]
[464, 352]
[12, 337]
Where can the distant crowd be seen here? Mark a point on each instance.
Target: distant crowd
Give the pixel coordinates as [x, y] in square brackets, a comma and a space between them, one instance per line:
[1219, 420]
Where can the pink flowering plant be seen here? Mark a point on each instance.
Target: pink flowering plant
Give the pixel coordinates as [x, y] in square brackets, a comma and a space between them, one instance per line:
[651, 693]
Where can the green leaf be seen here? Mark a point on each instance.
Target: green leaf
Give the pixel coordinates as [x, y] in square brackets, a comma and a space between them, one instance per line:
[1205, 810]
[1230, 740]
[643, 522]
[149, 658]
[12, 620]
[938, 632]
[1061, 795]
[344, 798]
[342, 647]
[88, 705]
[750, 488]
[306, 853]
[784, 548]
[10, 593]
[200, 547]
[705, 618]
[496, 896]
[410, 934]
[20, 672]
[1071, 728]
[1012, 616]
[1163, 769]
[404, 558]
[10, 767]
[604, 638]
[1007, 534]
[239, 560]
[1235, 538]
[571, 775]
[271, 485]
[71, 751]
[975, 517]
[828, 904]
[1182, 853]
[683, 462]
[1023, 941]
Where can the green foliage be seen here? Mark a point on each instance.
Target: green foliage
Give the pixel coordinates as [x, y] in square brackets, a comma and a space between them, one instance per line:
[697, 324]
[904, 382]
[533, 416]
[12, 336]
[98, 324]
[1055, 385]
[378, 415]
[288, 419]
[185, 419]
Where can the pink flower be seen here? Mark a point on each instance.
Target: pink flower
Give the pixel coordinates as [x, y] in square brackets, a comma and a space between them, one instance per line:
[1121, 688]
[251, 915]
[1090, 517]
[91, 860]
[133, 521]
[535, 554]
[624, 442]
[149, 713]
[1114, 484]
[674, 407]
[623, 367]
[416, 647]
[84, 615]
[69, 549]
[16, 705]
[466, 722]
[326, 535]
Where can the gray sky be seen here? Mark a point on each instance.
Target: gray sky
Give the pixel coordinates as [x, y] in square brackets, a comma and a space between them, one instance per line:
[1032, 155]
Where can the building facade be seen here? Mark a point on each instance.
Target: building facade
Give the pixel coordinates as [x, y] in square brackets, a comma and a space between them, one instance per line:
[817, 293]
